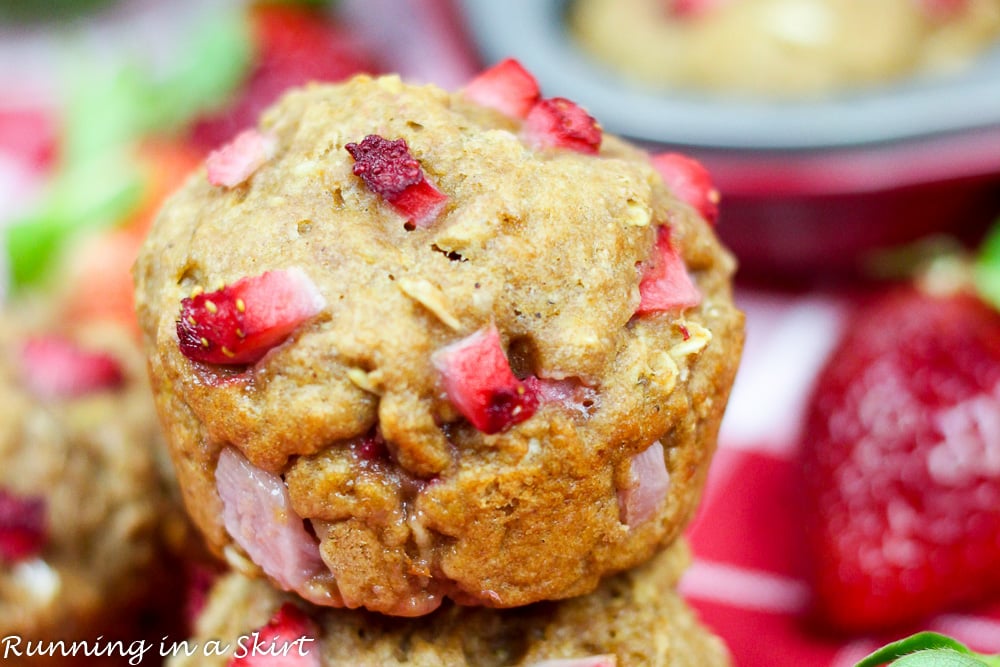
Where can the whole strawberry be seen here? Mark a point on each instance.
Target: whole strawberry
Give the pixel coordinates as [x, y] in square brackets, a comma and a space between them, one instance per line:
[902, 462]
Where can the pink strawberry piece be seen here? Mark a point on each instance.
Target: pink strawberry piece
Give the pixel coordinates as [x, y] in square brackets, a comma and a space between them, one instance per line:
[29, 134]
[23, 532]
[902, 462]
[692, 9]
[665, 284]
[257, 513]
[239, 323]
[479, 382]
[53, 367]
[506, 87]
[589, 661]
[942, 9]
[235, 162]
[690, 182]
[559, 123]
[570, 393]
[288, 640]
[389, 171]
[646, 491]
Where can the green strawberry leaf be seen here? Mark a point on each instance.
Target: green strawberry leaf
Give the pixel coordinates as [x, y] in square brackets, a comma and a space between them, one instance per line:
[987, 268]
[927, 649]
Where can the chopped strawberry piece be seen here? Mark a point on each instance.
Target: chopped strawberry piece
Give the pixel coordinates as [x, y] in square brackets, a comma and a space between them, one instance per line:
[559, 123]
[692, 9]
[30, 135]
[389, 171]
[53, 367]
[590, 661]
[506, 87]
[690, 182]
[901, 462]
[239, 323]
[665, 284]
[570, 393]
[23, 531]
[288, 640]
[942, 9]
[479, 382]
[235, 162]
[647, 488]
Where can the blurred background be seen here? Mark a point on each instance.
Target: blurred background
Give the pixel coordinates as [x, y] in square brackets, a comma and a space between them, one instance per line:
[855, 144]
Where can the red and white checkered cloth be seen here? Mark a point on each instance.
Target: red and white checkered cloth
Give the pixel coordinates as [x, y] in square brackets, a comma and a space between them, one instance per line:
[748, 580]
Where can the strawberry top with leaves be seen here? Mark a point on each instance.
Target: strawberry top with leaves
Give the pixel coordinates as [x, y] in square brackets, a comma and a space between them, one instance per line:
[902, 460]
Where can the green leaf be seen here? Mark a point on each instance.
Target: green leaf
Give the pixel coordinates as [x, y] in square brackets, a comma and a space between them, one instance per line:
[921, 641]
[938, 658]
[987, 268]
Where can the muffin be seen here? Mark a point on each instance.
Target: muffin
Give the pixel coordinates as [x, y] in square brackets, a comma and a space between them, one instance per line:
[786, 48]
[409, 344]
[632, 620]
[84, 510]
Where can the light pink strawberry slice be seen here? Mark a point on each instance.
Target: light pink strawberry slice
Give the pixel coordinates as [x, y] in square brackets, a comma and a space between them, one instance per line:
[559, 123]
[942, 9]
[569, 393]
[391, 172]
[479, 382]
[53, 367]
[589, 661]
[236, 161]
[288, 640]
[692, 9]
[506, 87]
[239, 323]
[647, 488]
[257, 513]
[666, 284]
[690, 182]
[23, 531]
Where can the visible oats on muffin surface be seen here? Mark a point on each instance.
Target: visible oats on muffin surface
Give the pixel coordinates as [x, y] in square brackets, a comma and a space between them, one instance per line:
[488, 363]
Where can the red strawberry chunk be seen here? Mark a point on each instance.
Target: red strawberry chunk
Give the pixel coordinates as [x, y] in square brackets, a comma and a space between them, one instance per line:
[239, 323]
[570, 393]
[665, 284]
[53, 367]
[288, 640]
[23, 532]
[479, 382]
[902, 463]
[942, 9]
[559, 123]
[692, 9]
[690, 182]
[388, 170]
[235, 162]
[30, 135]
[506, 87]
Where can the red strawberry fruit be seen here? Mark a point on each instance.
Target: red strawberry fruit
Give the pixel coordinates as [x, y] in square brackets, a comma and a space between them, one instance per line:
[506, 87]
[690, 182]
[479, 382]
[559, 123]
[942, 9]
[53, 367]
[665, 283]
[388, 169]
[288, 640]
[691, 9]
[239, 323]
[293, 45]
[23, 531]
[902, 462]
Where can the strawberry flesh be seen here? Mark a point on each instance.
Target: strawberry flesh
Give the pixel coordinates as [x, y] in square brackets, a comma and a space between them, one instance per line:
[666, 284]
[690, 182]
[902, 462]
[23, 532]
[692, 9]
[53, 367]
[942, 9]
[235, 162]
[506, 87]
[239, 323]
[560, 123]
[288, 640]
[389, 171]
[480, 383]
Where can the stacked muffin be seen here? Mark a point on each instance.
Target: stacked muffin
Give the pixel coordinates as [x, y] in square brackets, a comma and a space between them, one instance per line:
[414, 349]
